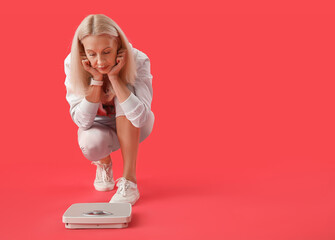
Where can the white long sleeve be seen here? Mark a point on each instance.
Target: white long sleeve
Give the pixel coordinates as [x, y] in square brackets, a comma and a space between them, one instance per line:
[82, 111]
[136, 107]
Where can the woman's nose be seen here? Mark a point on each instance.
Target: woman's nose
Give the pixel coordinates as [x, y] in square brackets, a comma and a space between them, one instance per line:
[101, 61]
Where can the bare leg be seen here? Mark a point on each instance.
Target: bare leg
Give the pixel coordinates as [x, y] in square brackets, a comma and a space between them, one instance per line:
[129, 137]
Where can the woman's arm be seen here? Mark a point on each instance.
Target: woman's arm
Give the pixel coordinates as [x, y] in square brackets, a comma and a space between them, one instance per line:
[137, 107]
[83, 110]
[120, 89]
[95, 93]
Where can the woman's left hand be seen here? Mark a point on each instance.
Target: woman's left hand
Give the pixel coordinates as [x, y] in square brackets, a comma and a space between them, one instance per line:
[121, 59]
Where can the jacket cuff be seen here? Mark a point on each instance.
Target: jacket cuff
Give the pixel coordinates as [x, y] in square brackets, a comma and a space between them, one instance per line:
[89, 107]
[130, 103]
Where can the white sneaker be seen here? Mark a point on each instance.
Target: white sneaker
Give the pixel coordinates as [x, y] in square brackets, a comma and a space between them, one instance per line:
[104, 177]
[127, 192]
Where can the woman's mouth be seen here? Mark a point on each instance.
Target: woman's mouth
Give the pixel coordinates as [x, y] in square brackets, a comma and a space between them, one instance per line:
[103, 68]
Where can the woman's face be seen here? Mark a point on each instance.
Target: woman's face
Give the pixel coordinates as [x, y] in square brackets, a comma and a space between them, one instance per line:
[101, 51]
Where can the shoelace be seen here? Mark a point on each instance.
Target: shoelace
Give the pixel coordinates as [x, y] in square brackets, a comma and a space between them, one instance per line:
[104, 171]
[122, 185]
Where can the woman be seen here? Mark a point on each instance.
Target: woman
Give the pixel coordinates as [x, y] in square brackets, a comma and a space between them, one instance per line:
[109, 89]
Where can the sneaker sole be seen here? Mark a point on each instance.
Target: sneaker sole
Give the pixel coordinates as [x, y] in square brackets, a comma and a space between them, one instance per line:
[103, 189]
[132, 203]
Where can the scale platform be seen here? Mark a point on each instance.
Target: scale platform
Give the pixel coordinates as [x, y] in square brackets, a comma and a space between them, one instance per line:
[97, 215]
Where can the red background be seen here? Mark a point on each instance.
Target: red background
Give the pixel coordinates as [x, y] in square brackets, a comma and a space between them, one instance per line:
[242, 146]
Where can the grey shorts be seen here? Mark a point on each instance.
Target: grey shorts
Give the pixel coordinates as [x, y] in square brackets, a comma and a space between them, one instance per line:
[101, 139]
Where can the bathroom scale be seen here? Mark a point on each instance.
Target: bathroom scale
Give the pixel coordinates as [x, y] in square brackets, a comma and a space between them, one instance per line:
[97, 215]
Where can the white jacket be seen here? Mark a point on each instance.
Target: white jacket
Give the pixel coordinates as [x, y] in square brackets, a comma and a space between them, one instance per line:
[136, 107]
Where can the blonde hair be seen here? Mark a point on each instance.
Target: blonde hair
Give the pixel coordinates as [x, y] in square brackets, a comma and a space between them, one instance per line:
[98, 24]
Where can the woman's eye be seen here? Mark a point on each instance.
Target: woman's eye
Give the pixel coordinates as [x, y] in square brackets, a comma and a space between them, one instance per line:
[94, 54]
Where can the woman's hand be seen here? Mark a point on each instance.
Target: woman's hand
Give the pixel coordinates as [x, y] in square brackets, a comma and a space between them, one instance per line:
[87, 66]
[121, 59]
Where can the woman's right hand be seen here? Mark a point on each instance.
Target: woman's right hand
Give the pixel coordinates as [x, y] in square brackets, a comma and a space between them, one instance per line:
[87, 66]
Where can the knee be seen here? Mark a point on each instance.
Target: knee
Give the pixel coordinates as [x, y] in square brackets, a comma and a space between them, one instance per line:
[94, 144]
[147, 128]
[91, 152]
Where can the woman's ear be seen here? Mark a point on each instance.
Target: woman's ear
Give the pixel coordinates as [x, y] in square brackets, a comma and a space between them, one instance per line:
[119, 43]
[118, 49]
[83, 56]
